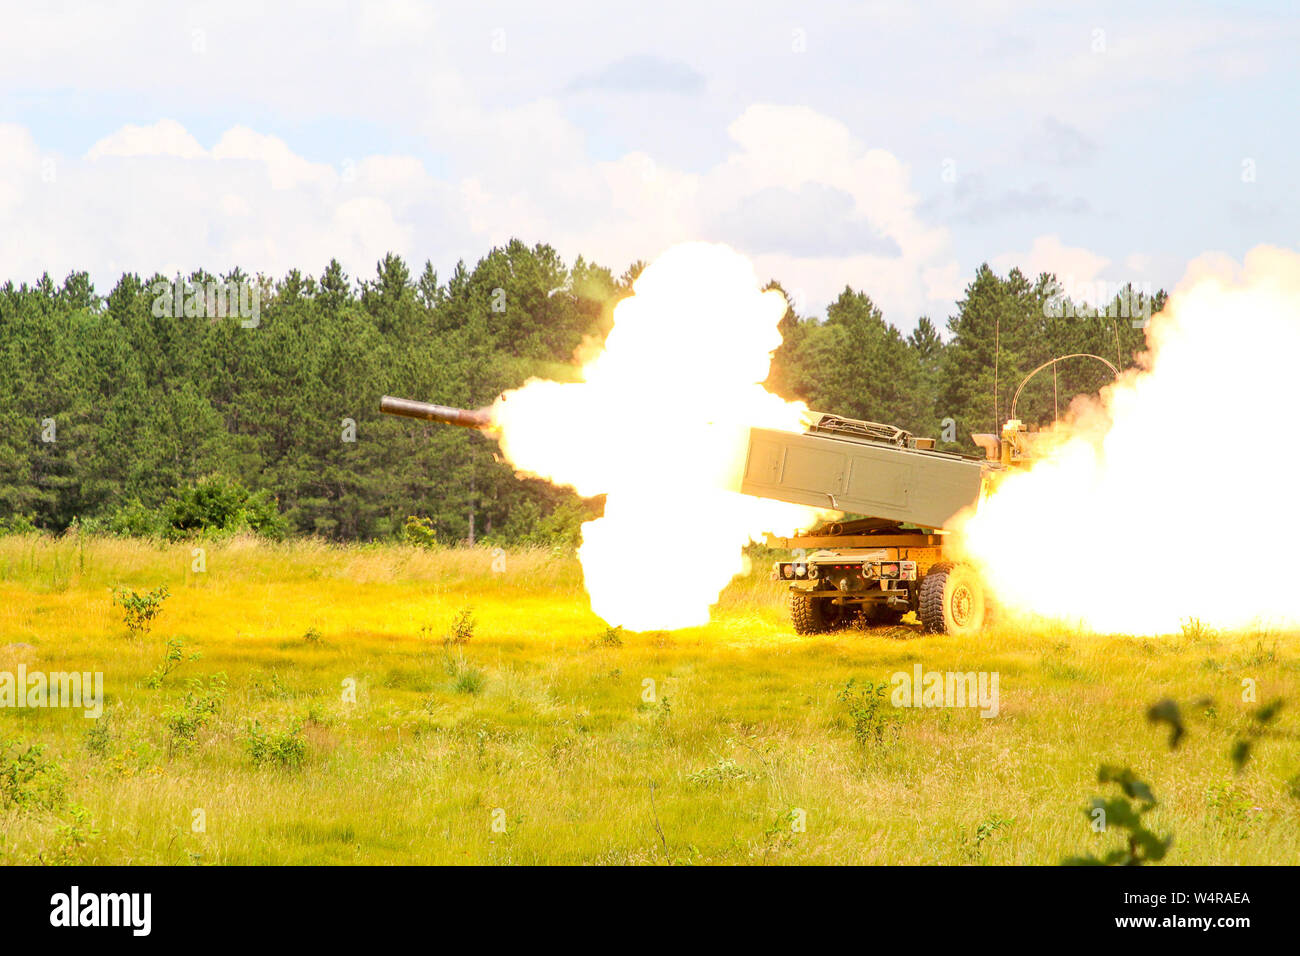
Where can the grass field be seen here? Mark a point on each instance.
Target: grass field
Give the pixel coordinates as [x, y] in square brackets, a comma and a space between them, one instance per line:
[539, 740]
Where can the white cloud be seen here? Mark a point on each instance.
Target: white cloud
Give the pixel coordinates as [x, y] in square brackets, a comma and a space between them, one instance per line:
[164, 138]
[145, 197]
[285, 169]
[1071, 264]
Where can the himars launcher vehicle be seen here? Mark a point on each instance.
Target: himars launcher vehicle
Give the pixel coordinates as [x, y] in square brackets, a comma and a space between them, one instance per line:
[881, 565]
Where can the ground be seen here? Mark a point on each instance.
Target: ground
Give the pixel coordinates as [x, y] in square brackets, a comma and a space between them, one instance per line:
[543, 737]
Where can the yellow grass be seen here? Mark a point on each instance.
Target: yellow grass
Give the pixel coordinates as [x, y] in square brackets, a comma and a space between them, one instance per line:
[542, 726]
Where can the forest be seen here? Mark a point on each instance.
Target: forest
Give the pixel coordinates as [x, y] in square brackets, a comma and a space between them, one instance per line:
[154, 411]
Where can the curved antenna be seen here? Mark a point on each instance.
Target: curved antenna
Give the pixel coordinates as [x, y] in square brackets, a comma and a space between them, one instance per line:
[1060, 358]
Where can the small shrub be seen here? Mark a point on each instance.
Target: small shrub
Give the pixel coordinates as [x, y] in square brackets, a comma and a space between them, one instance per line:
[99, 737]
[202, 701]
[18, 524]
[973, 845]
[287, 748]
[220, 506]
[1229, 806]
[134, 520]
[140, 610]
[75, 834]
[782, 833]
[418, 531]
[312, 635]
[613, 637]
[28, 780]
[872, 719]
[173, 659]
[462, 627]
[274, 689]
[724, 771]
[1196, 630]
[1125, 812]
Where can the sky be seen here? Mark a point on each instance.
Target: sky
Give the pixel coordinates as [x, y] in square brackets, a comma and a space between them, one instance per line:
[892, 147]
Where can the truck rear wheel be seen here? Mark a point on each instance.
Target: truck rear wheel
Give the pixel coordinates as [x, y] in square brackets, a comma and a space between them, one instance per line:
[816, 615]
[953, 600]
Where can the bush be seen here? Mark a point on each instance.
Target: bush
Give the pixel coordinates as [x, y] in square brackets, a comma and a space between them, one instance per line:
[419, 532]
[134, 520]
[18, 524]
[202, 702]
[173, 659]
[527, 526]
[874, 721]
[462, 627]
[220, 506]
[139, 610]
[288, 748]
[27, 779]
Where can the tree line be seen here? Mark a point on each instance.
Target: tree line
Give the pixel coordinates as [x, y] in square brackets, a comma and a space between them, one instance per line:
[168, 406]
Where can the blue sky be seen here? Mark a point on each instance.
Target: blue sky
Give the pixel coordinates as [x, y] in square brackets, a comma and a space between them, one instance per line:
[892, 147]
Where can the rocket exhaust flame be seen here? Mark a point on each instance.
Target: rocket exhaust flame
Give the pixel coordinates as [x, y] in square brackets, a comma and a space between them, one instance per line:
[1173, 495]
[665, 409]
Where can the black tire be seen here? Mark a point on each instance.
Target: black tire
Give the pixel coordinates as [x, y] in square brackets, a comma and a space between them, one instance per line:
[816, 615]
[953, 600]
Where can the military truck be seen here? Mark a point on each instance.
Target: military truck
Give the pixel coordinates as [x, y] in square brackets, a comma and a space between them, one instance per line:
[876, 567]
[892, 560]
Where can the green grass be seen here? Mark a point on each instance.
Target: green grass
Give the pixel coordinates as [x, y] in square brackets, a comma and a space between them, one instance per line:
[538, 722]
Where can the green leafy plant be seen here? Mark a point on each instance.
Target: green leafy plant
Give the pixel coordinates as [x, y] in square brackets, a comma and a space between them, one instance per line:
[782, 833]
[28, 779]
[1261, 725]
[1125, 812]
[722, 772]
[173, 659]
[100, 736]
[418, 531]
[973, 844]
[74, 835]
[139, 611]
[202, 702]
[217, 506]
[286, 748]
[134, 520]
[1136, 799]
[873, 720]
[18, 524]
